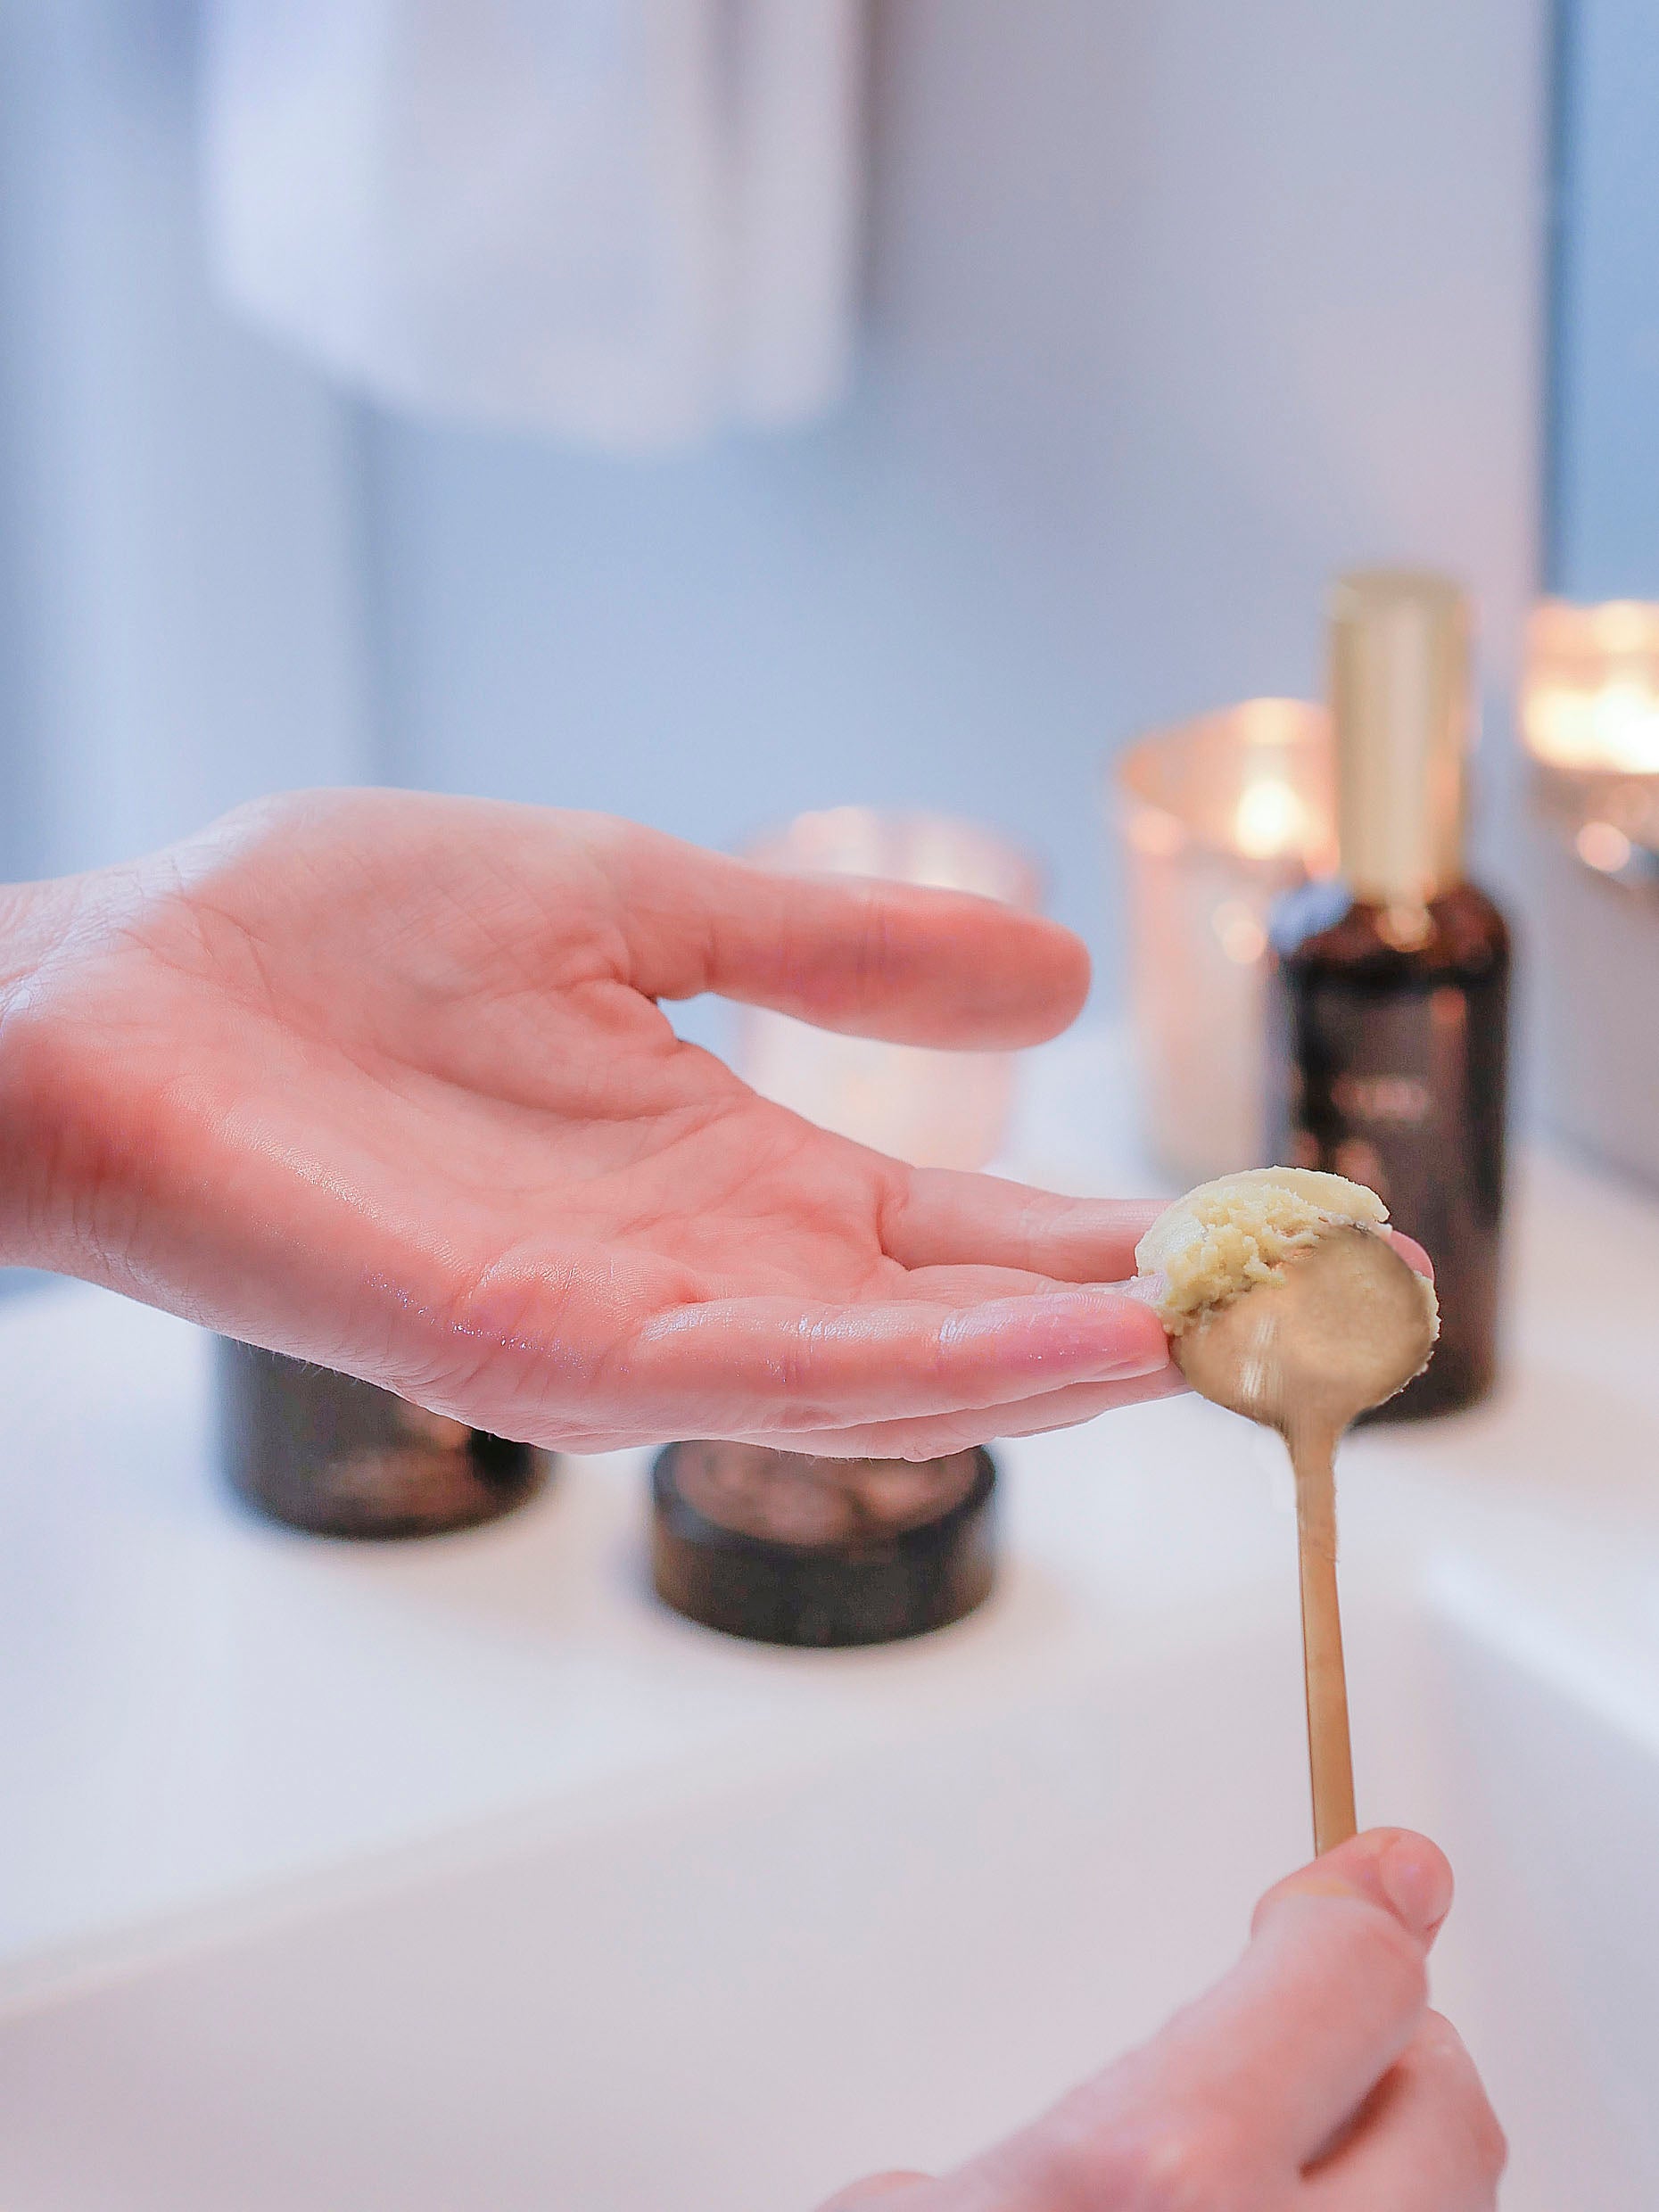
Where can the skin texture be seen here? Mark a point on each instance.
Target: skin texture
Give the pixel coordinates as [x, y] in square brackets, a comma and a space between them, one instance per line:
[1312, 2078]
[380, 1079]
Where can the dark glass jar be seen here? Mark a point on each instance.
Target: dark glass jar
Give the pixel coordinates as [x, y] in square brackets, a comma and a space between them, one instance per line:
[325, 1453]
[784, 1548]
[1388, 1046]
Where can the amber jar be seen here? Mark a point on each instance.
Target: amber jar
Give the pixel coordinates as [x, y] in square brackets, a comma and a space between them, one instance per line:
[335, 1457]
[784, 1548]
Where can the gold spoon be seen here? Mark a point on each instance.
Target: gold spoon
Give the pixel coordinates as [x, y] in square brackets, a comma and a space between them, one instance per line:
[1349, 1324]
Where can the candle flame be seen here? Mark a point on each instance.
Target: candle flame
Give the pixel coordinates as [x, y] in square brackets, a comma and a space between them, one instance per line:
[1611, 725]
[1270, 819]
[1592, 694]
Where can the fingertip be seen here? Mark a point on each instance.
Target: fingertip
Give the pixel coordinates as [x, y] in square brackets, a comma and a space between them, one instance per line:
[1148, 1290]
[1025, 979]
[1417, 1879]
[1403, 1872]
[1410, 1251]
[1074, 976]
[1152, 1353]
[1140, 1346]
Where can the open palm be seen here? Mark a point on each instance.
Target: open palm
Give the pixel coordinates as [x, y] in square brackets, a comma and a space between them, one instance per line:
[381, 1080]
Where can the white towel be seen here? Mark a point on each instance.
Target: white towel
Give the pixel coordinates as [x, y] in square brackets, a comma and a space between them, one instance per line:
[628, 222]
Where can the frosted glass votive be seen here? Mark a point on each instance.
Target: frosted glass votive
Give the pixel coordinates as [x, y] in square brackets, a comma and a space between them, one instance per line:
[1217, 817]
[1590, 712]
[934, 1108]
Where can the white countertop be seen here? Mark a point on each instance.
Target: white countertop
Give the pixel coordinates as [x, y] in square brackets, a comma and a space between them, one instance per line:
[197, 1703]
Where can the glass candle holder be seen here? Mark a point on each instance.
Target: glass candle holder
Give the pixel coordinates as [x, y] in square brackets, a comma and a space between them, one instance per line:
[1590, 711]
[1217, 817]
[934, 1108]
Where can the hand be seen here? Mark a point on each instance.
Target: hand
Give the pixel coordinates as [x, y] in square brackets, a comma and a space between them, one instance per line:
[381, 1080]
[1313, 2078]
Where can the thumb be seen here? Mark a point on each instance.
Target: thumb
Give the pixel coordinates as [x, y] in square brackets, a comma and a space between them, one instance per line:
[1403, 1872]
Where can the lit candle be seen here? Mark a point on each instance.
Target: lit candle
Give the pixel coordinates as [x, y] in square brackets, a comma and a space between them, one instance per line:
[1217, 817]
[1589, 709]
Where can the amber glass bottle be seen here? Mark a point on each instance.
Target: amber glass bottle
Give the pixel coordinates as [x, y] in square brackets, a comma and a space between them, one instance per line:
[1389, 998]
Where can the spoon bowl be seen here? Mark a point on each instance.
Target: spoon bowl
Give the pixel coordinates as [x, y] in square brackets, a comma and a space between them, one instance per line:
[1350, 1325]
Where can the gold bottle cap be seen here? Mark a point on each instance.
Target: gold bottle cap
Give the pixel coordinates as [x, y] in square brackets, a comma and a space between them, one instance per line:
[1399, 706]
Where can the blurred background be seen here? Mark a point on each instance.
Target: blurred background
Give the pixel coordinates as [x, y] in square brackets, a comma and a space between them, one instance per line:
[1160, 315]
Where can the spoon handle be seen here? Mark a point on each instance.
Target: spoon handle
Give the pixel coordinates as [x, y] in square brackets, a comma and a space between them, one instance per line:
[1330, 1755]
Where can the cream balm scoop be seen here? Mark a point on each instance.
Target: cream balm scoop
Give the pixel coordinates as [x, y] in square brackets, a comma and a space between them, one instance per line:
[1240, 1230]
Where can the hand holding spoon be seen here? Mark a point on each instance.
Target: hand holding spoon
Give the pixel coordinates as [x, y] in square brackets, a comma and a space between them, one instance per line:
[1327, 1321]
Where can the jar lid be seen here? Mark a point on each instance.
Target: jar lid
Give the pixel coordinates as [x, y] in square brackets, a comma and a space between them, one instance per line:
[783, 1548]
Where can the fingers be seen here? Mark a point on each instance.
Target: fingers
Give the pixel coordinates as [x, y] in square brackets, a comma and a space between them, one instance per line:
[1334, 1984]
[939, 1218]
[558, 1345]
[880, 960]
[752, 1367]
[1429, 2140]
[1393, 1867]
[1408, 1248]
[933, 1436]
[1243, 2088]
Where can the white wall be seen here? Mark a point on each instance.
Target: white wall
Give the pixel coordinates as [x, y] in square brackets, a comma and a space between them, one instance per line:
[1606, 463]
[181, 613]
[1175, 310]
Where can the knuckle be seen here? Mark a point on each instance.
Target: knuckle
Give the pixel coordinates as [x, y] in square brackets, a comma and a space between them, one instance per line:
[505, 1337]
[1039, 1219]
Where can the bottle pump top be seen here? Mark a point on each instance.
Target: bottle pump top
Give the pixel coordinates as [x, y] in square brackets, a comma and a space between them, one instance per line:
[1400, 708]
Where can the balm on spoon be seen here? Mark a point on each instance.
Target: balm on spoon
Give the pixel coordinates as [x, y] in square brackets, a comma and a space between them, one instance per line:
[1289, 1304]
